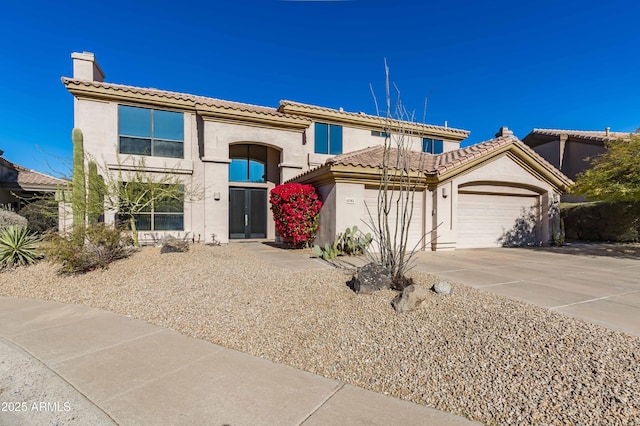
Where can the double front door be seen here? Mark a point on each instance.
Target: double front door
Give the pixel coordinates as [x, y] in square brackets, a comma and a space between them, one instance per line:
[247, 213]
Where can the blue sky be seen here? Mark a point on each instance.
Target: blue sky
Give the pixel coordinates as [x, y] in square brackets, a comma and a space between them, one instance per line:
[544, 64]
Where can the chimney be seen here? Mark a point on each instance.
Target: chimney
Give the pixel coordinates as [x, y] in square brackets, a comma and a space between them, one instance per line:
[606, 131]
[85, 67]
[503, 132]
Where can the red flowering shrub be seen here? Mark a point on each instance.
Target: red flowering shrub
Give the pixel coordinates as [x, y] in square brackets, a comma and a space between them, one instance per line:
[295, 208]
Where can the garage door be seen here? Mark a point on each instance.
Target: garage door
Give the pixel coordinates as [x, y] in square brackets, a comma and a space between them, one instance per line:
[415, 227]
[489, 220]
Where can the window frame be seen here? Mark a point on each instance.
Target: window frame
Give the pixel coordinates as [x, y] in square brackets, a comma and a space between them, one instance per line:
[433, 146]
[252, 155]
[331, 132]
[151, 138]
[152, 214]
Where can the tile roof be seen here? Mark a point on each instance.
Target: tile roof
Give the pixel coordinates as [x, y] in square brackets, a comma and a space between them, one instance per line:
[445, 162]
[595, 136]
[184, 97]
[15, 174]
[285, 103]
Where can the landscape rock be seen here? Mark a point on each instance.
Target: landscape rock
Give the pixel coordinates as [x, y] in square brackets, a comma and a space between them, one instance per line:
[174, 245]
[443, 287]
[410, 298]
[371, 277]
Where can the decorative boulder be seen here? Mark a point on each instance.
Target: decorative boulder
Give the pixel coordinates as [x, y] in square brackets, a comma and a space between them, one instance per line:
[174, 245]
[410, 298]
[442, 287]
[371, 277]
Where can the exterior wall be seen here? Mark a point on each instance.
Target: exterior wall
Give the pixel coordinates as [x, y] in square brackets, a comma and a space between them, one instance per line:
[575, 157]
[350, 206]
[354, 139]
[98, 121]
[328, 214]
[550, 152]
[444, 218]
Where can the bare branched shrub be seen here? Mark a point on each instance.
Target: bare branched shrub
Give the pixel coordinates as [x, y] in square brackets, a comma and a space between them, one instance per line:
[401, 175]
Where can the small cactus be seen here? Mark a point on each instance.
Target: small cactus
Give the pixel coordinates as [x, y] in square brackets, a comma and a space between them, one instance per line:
[348, 243]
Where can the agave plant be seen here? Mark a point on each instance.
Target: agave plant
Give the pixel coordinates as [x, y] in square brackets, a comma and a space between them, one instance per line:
[18, 247]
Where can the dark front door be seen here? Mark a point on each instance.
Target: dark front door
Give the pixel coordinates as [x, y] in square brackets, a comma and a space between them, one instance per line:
[247, 213]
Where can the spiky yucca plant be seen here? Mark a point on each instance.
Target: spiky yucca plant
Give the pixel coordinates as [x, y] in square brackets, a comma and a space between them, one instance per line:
[18, 247]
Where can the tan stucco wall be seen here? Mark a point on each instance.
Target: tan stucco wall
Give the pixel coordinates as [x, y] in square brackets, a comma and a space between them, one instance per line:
[576, 155]
[327, 231]
[550, 152]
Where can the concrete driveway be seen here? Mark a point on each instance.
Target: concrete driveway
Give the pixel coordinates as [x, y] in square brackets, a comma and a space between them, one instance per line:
[592, 283]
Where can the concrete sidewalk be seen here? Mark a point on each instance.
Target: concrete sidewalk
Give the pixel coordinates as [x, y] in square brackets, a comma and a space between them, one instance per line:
[80, 365]
[283, 258]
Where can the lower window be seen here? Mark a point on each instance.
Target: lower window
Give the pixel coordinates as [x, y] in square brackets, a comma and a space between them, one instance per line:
[154, 209]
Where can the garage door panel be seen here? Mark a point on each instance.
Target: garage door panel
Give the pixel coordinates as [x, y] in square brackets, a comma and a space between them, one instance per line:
[492, 220]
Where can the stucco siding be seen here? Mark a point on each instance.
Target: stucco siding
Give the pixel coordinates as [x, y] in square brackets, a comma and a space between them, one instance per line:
[576, 157]
[550, 152]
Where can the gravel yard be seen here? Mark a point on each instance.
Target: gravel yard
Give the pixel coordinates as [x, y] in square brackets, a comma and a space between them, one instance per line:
[476, 354]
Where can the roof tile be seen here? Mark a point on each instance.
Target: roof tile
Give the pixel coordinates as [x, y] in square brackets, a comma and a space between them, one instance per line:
[15, 174]
[176, 96]
[591, 135]
[440, 163]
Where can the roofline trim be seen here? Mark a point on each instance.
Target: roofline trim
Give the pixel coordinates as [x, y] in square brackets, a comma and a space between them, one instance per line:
[105, 91]
[370, 121]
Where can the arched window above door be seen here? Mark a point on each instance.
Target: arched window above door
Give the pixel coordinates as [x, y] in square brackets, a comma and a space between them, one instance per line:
[248, 163]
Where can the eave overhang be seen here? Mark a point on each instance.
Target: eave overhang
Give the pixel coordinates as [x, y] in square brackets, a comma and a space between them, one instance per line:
[372, 122]
[114, 93]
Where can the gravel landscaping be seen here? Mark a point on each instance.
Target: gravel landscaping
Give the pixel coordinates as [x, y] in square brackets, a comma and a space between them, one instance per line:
[479, 355]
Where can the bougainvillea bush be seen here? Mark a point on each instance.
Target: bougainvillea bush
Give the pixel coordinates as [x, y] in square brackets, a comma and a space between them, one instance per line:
[296, 209]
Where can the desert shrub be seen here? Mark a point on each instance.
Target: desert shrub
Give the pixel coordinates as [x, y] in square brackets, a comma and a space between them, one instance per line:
[8, 218]
[602, 221]
[42, 215]
[351, 243]
[18, 246]
[295, 208]
[85, 249]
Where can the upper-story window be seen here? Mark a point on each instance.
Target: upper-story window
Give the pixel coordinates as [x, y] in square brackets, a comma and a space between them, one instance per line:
[432, 146]
[379, 134]
[248, 163]
[152, 132]
[328, 139]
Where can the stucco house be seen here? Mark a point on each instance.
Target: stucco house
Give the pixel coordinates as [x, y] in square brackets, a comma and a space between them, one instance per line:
[568, 150]
[19, 184]
[237, 152]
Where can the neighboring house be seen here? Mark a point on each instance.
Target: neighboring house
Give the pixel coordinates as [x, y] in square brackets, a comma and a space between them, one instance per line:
[570, 150]
[19, 184]
[238, 152]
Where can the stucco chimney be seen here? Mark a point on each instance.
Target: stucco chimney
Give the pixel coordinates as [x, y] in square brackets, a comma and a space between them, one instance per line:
[85, 67]
[606, 130]
[504, 131]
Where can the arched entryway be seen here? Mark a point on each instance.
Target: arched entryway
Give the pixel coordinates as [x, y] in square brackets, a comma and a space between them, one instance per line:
[253, 171]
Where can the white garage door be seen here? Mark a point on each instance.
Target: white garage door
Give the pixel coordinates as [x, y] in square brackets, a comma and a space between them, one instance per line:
[415, 227]
[489, 220]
